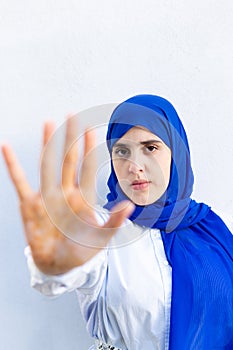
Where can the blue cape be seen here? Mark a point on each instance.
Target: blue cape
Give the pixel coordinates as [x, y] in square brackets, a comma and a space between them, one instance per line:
[197, 243]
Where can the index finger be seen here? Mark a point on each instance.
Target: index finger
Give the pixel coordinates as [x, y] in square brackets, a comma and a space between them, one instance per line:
[16, 173]
[89, 167]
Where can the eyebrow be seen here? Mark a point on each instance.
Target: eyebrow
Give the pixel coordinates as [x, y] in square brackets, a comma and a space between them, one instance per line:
[148, 142]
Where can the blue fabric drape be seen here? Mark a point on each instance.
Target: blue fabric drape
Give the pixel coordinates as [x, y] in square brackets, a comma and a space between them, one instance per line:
[198, 244]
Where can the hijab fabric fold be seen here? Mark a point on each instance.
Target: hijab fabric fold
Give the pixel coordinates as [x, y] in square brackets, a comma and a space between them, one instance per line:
[197, 243]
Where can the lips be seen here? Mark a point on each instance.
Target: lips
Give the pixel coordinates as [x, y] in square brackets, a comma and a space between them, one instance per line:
[140, 184]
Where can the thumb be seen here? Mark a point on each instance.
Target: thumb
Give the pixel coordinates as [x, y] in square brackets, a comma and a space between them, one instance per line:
[119, 213]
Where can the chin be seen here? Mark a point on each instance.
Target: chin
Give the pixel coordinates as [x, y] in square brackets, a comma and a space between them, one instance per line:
[145, 201]
[141, 201]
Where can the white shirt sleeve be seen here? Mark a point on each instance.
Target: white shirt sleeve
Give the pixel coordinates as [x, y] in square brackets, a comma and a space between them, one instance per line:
[88, 277]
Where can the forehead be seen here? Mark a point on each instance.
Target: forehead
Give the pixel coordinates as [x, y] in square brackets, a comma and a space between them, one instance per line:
[138, 134]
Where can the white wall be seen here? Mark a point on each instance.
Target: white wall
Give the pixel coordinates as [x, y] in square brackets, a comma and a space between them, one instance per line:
[62, 56]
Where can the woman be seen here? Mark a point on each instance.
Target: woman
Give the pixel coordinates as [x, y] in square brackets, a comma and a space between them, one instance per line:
[170, 284]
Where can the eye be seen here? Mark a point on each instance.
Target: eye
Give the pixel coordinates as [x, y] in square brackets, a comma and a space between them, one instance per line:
[121, 152]
[150, 148]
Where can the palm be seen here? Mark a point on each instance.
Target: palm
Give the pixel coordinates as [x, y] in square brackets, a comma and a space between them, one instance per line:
[59, 221]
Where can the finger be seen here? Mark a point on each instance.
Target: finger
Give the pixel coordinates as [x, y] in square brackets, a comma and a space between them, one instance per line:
[89, 167]
[16, 173]
[119, 213]
[48, 159]
[69, 165]
[49, 128]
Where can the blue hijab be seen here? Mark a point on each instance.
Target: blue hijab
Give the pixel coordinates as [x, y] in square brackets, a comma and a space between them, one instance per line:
[197, 243]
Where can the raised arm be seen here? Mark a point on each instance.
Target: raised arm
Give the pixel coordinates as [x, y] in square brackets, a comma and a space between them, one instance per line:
[59, 220]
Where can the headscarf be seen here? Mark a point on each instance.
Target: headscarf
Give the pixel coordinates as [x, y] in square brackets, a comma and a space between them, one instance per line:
[197, 243]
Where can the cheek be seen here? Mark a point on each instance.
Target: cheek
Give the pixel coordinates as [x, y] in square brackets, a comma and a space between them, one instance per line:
[118, 167]
[166, 168]
[162, 167]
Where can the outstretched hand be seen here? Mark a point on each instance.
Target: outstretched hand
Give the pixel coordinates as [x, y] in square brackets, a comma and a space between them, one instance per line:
[58, 212]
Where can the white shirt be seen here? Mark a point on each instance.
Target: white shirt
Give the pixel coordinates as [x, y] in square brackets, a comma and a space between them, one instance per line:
[124, 292]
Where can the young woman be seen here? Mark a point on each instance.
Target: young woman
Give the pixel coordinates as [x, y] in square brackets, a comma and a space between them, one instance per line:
[155, 274]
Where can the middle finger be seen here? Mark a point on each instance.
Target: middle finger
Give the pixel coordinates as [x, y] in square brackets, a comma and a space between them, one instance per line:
[70, 159]
[48, 159]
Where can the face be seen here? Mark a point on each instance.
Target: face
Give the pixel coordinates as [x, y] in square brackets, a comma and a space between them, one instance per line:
[142, 163]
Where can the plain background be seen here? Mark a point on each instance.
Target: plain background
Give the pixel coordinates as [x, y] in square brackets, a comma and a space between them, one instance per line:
[65, 56]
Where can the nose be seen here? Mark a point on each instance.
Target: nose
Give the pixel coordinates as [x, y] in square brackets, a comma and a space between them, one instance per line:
[135, 167]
